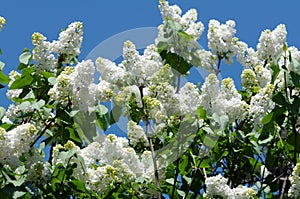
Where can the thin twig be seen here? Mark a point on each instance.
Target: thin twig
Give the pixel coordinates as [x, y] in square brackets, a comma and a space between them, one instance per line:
[50, 123]
[271, 182]
[175, 178]
[283, 188]
[156, 175]
[178, 76]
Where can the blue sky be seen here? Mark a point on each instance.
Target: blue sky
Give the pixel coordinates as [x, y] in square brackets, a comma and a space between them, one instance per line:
[103, 19]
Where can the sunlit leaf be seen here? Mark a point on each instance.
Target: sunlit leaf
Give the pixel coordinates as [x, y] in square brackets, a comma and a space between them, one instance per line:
[25, 57]
[22, 82]
[3, 78]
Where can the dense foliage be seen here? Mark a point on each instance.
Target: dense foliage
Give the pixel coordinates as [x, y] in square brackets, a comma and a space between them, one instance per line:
[183, 140]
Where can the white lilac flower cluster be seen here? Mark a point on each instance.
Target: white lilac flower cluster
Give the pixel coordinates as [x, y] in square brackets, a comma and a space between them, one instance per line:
[62, 89]
[217, 186]
[189, 98]
[136, 134]
[271, 43]
[247, 56]
[81, 79]
[151, 83]
[67, 48]
[147, 74]
[107, 160]
[208, 60]
[294, 190]
[263, 75]
[290, 66]
[179, 32]
[133, 74]
[16, 110]
[223, 44]
[166, 94]
[42, 54]
[226, 101]
[69, 41]
[15, 92]
[2, 23]
[270, 46]
[75, 84]
[187, 21]
[39, 170]
[261, 104]
[15, 143]
[220, 39]
[229, 102]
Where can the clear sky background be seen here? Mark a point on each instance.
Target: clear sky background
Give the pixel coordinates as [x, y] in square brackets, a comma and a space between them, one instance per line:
[103, 19]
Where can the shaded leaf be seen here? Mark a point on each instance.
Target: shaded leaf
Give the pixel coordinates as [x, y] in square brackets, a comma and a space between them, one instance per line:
[175, 61]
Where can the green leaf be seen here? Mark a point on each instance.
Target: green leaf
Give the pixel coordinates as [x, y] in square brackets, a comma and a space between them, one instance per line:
[2, 64]
[73, 136]
[66, 155]
[22, 82]
[183, 164]
[276, 115]
[174, 25]
[208, 130]
[101, 109]
[21, 66]
[265, 141]
[18, 194]
[101, 122]
[268, 118]
[185, 36]
[3, 78]
[294, 108]
[276, 70]
[256, 147]
[24, 105]
[115, 114]
[187, 179]
[170, 181]
[47, 74]
[72, 113]
[205, 163]
[81, 161]
[38, 105]
[28, 71]
[25, 57]
[181, 193]
[280, 99]
[49, 132]
[162, 45]
[85, 125]
[78, 185]
[52, 80]
[176, 62]
[201, 112]
[295, 78]
[2, 112]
